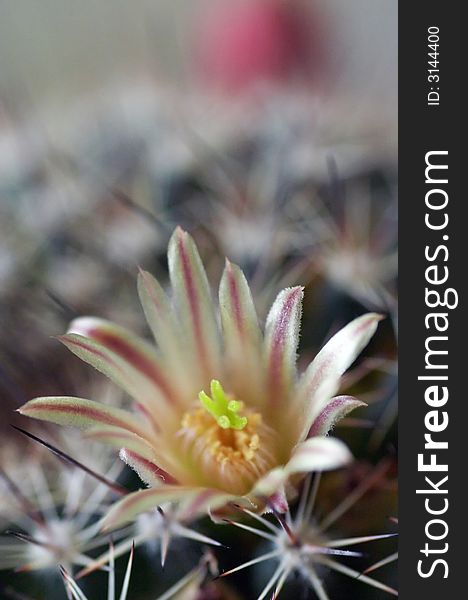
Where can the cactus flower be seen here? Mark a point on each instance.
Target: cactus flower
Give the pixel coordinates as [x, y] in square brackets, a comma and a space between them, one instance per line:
[220, 413]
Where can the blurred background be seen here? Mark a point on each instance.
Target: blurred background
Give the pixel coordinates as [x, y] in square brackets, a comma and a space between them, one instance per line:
[268, 129]
[54, 51]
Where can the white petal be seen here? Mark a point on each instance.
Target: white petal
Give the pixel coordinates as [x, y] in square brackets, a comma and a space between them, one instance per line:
[321, 381]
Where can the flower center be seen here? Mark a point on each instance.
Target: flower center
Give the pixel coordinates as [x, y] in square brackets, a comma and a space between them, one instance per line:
[222, 408]
[225, 448]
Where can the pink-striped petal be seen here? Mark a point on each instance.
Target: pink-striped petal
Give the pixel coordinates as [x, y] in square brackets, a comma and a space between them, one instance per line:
[146, 468]
[193, 301]
[238, 315]
[202, 502]
[142, 501]
[152, 457]
[126, 359]
[281, 342]
[160, 317]
[336, 409]
[120, 438]
[321, 380]
[195, 502]
[241, 332]
[81, 413]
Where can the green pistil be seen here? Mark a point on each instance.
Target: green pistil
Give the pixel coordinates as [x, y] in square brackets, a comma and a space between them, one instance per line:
[222, 408]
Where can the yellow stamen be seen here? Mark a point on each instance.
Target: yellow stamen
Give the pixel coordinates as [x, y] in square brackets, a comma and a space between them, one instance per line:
[234, 459]
[222, 408]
